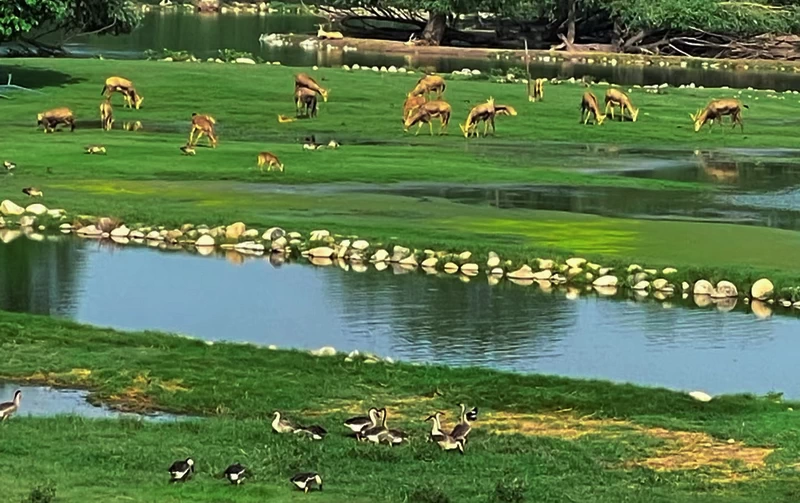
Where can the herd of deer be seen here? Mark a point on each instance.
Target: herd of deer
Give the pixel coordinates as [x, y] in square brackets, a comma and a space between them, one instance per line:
[418, 110]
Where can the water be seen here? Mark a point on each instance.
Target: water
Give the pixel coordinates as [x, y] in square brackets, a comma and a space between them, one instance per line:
[205, 35]
[44, 401]
[409, 317]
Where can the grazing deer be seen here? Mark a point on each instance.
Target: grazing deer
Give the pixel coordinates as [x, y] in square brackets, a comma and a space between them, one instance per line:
[329, 35]
[52, 118]
[429, 84]
[426, 113]
[717, 109]
[538, 90]
[617, 98]
[305, 99]
[484, 112]
[270, 160]
[124, 86]
[411, 104]
[589, 107]
[303, 80]
[106, 115]
[202, 124]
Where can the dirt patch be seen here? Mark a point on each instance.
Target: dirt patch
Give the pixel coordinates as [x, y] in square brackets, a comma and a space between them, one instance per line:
[561, 425]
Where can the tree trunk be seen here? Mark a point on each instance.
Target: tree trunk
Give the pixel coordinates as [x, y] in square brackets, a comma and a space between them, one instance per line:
[571, 22]
[434, 30]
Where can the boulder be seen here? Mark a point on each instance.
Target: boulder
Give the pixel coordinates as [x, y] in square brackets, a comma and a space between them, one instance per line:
[642, 286]
[235, 230]
[154, 236]
[173, 236]
[273, 233]
[725, 289]
[669, 270]
[27, 220]
[634, 267]
[574, 271]
[430, 262]
[205, 240]
[762, 289]
[604, 271]
[703, 287]
[606, 281]
[136, 235]
[120, 232]
[65, 226]
[106, 224]
[450, 268]
[411, 260]
[651, 272]
[10, 208]
[399, 253]
[660, 284]
[543, 275]
[249, 246]
[494, 260]
[524, 272]
[295, 235]
[322, 252]
[89, 230]
[249, 234]
[593, 267]
[546, 264]
[380, 256]
[280, 243]
[57, 213]
[575, 262]
[324, 351]
[319, 235]
[497, 271]
[245, 61]
[700, 396]
[341, 248]
[464, 256]
[470, 269]
[36, 209]
[685, 286]
[360, 245]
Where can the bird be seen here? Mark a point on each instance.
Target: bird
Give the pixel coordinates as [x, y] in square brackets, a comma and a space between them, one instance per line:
[235, 473]
[32, 192]
[9, 408]
[314, 431]
[305, 480]
[181, 471]
[358, 423]
[374, 433]
[443, 440]
[311, 144]
[188, 150]
[463, 428]
[282, 425]
[333, 144]
[472, 415]
[95, 149]
[9, 165]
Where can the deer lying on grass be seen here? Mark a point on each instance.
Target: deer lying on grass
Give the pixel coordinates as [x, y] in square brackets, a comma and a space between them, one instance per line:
[270, 160]
[426, 113]
[303, 80]
[52, 118]
[202, 124]
[328, 35]
[538, 90]
[124, 86]
[589, 107]
[106, 115]
[305, 102]
[617, 98]
[717, 109]
[429, 84]
[411, 104]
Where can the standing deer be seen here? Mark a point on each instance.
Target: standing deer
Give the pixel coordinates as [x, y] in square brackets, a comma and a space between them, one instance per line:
[202, 124]
[305, 100]
[589, 107]
[106, 114]
[303, 80]
[124, 86]
[429, 84]
[717, 109]
[617, 98]
[484, 112]
[426, 113]
[52, 118]
[538, 90]
[270, 160]
[411, 104]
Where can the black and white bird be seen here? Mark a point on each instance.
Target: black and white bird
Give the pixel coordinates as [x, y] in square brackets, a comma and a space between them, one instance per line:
[315, 432]
[32, 192]
[463, 428]
[304, 481]
[9, 408]
[181, 471]
[235, 473]
[9, 166]
[472, 415]
[358, 423]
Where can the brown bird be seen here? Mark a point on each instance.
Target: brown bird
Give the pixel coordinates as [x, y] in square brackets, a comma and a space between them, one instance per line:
[32, 192]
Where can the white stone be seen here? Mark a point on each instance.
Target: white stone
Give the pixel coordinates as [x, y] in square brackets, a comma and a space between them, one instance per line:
[90, 230]
[10, 208]
[634, 268]
[27, 220]
[470, 269]
[660, 284]
[154, 236]
[36, 209]
[250, 234]
[700, 396]
[319, 235]
[120, 232]
[575, 262]
[136, 235]
[322, 252]
[245, 61]
[430, 262]
[494, 260]
[497, 271]
[642, 285]
[360, 245]
[235, 230]
[725, 289]
[703, 287]
[762, 289]
[524, 272]
[324, 351]
[606, 281]
[380, 256]
[450, 267]
[204, 240]
[411, 260]
[546, 264]
[669, 270]
[273, 233]
[465, 255]
[250, 246]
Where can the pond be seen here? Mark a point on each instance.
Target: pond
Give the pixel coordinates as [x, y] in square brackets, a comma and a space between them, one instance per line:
[205, 35]
[410, 317]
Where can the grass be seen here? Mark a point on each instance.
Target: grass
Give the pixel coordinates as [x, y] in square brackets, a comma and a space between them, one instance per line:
[545, 438]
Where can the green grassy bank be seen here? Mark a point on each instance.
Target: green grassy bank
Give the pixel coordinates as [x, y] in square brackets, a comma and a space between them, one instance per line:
[539, 438]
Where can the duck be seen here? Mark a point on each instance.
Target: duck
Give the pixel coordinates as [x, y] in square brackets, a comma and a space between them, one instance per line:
[188, 150]
[9, 165]
[358, 423]
[32, 192]
[235, 473]
[333, 144]
[9, 408]
[315, 432]
[394, 437]
[443, 440]
[463, 428]
[282, 119]
[375, 433]
[282, 425]
[304, 481]
[181, 471]
[95, 149]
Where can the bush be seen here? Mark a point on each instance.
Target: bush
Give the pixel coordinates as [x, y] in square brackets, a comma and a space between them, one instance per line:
[41, 494]
[428, 495]
[510, 491]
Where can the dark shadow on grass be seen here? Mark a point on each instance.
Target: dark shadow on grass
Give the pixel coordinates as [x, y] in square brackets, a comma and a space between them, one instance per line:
[35, 78]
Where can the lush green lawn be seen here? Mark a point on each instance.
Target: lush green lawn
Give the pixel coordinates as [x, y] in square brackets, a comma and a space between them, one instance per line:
[566, 440]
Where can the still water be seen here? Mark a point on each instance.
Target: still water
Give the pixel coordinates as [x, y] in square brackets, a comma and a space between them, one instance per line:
[205, 35]
[411, 316]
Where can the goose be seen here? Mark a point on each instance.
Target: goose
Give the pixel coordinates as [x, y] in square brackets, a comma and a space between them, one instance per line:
[188, 150]
[32, 192]
[95, 149]
[305, 480]
[472, 415]
[235, 473]
[462, 429]
[181, 471]
[389, 436]
[375, 433]
[9, 408]
[9, 165]
[314, 431]
[358, 423]
[443, 440]
[282, 425]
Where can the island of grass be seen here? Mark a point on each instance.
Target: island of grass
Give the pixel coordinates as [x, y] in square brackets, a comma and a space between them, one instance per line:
[143, 178]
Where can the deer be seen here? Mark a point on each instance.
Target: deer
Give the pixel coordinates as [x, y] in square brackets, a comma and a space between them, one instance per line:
[617, 98]
[202, 124]
[124, 86]
[426, 113]
[106, 115]
[411, 104]
[270, 160]
[484, 112]
[305, 99]
[538, 90]
[52, 118]
[589, 107]
[717, 109]
[429, 84]
[328, 35]
[303, 80]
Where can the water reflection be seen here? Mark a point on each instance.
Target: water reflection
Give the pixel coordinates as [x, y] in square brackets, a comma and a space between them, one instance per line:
[415, 317]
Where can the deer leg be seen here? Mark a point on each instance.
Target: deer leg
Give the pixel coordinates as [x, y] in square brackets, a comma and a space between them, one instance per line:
[430, 126]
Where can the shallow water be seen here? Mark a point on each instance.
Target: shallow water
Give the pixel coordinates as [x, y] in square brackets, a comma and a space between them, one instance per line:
[44, 401]
[409, 317]
[205, 35]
